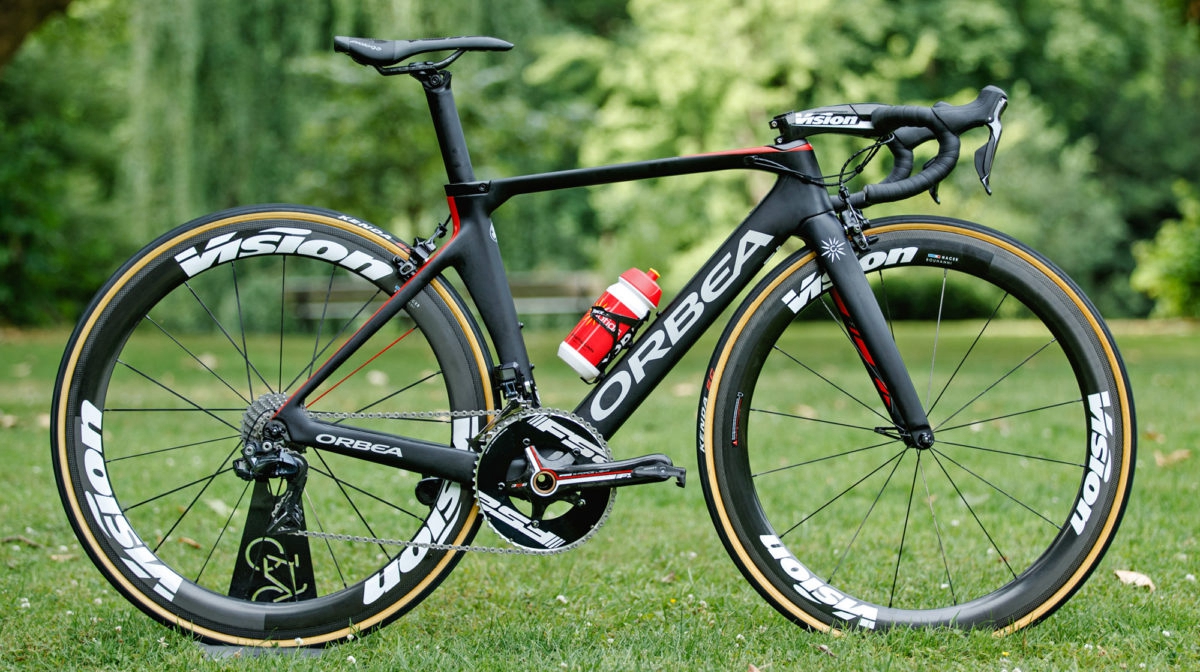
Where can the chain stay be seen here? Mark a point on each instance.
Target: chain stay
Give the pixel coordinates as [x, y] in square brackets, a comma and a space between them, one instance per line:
[496, 550]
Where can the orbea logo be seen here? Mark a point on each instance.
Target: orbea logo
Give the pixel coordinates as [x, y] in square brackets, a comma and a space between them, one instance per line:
[683, 316]
[279, 240]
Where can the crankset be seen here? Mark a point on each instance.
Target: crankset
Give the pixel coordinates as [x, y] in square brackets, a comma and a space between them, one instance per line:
[545, 479]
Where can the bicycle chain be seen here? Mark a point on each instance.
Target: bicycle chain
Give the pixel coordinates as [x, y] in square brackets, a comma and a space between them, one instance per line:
[416, 415]
[399, 415]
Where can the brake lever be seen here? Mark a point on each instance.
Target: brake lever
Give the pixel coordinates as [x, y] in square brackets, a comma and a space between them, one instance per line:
[985, 155]
[933, 191]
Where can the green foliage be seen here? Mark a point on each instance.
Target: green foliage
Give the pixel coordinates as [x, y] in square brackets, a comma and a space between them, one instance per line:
[719, 73]
[57, 175]
[366, 145]
[124, 119]
[1169, 265]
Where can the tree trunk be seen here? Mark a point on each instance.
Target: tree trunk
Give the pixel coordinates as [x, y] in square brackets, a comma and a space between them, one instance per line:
[18, 18]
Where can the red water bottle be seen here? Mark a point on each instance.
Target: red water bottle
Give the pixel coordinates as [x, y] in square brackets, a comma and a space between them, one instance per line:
[609, 325]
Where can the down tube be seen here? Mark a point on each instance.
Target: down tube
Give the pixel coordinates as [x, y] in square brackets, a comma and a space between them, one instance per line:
[698, 305]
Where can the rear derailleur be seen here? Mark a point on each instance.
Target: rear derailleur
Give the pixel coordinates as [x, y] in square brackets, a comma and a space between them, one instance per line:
[267, 454]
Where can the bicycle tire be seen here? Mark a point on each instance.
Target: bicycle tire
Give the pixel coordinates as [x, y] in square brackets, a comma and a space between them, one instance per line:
[838, 524]
[211, 317]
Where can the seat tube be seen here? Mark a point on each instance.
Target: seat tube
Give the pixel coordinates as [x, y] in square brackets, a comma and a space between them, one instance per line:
[867, 327]
[478, 262]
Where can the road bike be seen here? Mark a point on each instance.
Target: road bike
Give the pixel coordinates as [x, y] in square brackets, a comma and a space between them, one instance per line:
[282, 426]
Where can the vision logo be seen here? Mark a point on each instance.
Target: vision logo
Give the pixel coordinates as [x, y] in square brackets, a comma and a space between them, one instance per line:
[817, 591]
[1099, 459]
[813, 285]
[279, 240]
[830, 119]
[98, 492]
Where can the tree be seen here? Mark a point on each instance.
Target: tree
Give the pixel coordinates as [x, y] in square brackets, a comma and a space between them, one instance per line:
[18, 18]
[692, 77]
[1169, 265]
[59, 172]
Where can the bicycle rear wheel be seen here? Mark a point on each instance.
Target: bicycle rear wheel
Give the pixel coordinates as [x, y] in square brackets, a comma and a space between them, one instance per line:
[234, 311]
[836, 522]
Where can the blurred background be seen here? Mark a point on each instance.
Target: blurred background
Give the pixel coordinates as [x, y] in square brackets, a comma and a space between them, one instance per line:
[120, 119]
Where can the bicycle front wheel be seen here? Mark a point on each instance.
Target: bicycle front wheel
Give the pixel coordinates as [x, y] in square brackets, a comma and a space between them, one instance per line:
[207, 331]
[836, 522]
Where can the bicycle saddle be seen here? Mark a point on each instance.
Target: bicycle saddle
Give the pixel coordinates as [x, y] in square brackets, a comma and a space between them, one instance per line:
[383, 53]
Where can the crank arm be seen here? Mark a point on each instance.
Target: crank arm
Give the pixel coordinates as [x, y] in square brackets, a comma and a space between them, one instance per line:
[645, 469]
[545, 482]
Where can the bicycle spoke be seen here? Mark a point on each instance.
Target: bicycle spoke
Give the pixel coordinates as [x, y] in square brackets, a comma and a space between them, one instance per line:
[993, 486]
[179, 396]
[207, 482]
[348, 376]
[197, 359]
[912, 489]
[997, 451]
[388, 503]
[320, 324]
[834, 385]
[241, 352]
[967, 354]
[937, 337]
[282, 314]
[999, 380]
[806, 418]
[306, 370]
[822, 459]
[312, 508]
[885, 305]
[983, 528]
[159, 451]
[237, 296]
[937, 529]
[1038, 409]
[185, 486]
[221, 534]
[899, 457]
[400, 391]
[841, 494]
[153, 409]
[341, 488]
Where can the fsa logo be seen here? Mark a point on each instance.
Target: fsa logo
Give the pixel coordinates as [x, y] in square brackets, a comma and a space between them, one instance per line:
[279, 240]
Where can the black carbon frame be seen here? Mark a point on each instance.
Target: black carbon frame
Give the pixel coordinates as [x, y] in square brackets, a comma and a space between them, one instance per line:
[792, 208]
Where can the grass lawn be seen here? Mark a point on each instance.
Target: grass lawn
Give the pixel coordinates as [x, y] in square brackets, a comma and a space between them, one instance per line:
[653, 590]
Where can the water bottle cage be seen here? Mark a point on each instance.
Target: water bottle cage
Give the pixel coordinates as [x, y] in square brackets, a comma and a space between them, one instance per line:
[609, 321]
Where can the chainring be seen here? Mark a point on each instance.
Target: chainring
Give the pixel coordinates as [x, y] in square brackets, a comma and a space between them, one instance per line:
[540, 519]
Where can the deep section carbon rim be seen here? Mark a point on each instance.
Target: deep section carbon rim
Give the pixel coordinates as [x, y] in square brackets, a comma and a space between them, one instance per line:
[234, 312]
[837, 522]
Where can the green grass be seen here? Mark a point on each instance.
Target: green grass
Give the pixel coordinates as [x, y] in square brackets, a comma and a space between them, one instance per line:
[653, 590]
